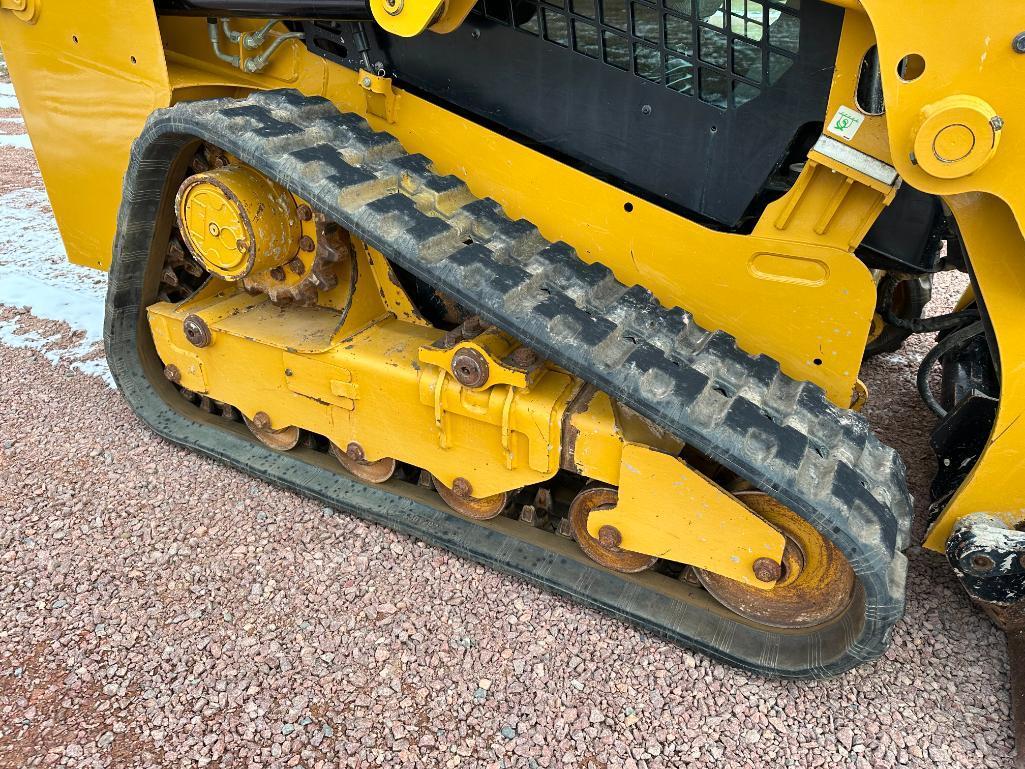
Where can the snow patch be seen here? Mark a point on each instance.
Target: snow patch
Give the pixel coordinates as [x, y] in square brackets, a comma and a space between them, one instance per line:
[19, 141]
[35, 273]
[7, 98]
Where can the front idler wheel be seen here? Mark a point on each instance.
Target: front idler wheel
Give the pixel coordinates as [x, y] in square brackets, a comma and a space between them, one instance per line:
[815, 582]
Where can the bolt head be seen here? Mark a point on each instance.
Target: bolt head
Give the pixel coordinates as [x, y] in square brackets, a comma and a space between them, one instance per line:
[306, 243]
[767, 570]
[196, 331]
[305, 213]
[172, 374]
[470, 368]
[1019, 43]
[609, 537]
[261, 420]
[355, 452]
[462, 488]
[366, 82]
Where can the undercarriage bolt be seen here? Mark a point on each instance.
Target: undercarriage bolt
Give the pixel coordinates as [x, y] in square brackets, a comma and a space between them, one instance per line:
[470, 368]
[462, 487]
[172, 374]
[277, 273]
[472, 327]
[523, 357]
[767, 570]
[305, 213]
[196, 331]
[261, 420]
[609, 537]
[297, 266]
[355, 452]
[306, 243]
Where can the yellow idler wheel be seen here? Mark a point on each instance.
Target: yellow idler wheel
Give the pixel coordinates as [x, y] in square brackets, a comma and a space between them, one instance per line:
[236, 221]
[283, 439]
[460, 498]
[605, 548]
[815, 585]
[354, 461]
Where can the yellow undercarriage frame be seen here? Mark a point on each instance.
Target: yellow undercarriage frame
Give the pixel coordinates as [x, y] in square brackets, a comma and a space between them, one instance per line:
[483, 415]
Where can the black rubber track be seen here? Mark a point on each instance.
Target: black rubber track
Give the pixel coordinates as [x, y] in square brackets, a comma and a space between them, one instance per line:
[782, 435]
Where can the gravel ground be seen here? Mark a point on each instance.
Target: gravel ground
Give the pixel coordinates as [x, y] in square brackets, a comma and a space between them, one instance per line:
[159, 609]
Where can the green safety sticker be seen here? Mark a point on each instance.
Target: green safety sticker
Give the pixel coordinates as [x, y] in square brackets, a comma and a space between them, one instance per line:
[845, 123]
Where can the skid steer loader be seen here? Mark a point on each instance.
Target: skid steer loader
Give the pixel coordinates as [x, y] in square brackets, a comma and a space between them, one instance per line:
[577, 288]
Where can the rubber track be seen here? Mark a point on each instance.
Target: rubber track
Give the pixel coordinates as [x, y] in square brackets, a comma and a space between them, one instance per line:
[781, 434]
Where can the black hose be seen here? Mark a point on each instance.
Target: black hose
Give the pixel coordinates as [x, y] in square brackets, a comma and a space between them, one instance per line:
[946, 344]
[919, 325]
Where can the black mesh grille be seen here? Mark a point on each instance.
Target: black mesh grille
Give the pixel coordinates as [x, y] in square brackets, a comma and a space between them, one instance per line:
[723, 53]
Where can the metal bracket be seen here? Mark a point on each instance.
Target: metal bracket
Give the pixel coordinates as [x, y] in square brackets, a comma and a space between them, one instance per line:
[379, 93]
[989, 558]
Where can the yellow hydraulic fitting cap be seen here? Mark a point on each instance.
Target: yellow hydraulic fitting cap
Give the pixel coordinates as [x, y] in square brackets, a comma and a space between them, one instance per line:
[237, 221]
[956, 136]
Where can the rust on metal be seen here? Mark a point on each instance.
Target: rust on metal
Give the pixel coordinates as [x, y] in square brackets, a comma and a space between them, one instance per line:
[767, 570]
[470, 368]
[815, 581]
[462, 488]
[353, 459]
[523, 357]
[172, 374]
[459, 499]
[284, 439]
[603, 549]
[196, 331]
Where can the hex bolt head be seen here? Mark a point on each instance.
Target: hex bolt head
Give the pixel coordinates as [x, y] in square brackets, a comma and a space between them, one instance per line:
[767, 570]
[610, 537]
[523, 357]
[172, 374]
[196, 331]
[261, 420]
[355, 452]
[306, 243]
[277, 273]
[462, 488]
[305, 212]
[1018, 44]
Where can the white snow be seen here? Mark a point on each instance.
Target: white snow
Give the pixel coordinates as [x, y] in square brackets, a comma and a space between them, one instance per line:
[7, 98]
[35, 273]
[15, 140]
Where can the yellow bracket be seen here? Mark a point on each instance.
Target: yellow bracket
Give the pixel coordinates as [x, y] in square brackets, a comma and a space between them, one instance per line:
[668, 510]
[379, 94]
[493, 348]
[407, 18]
